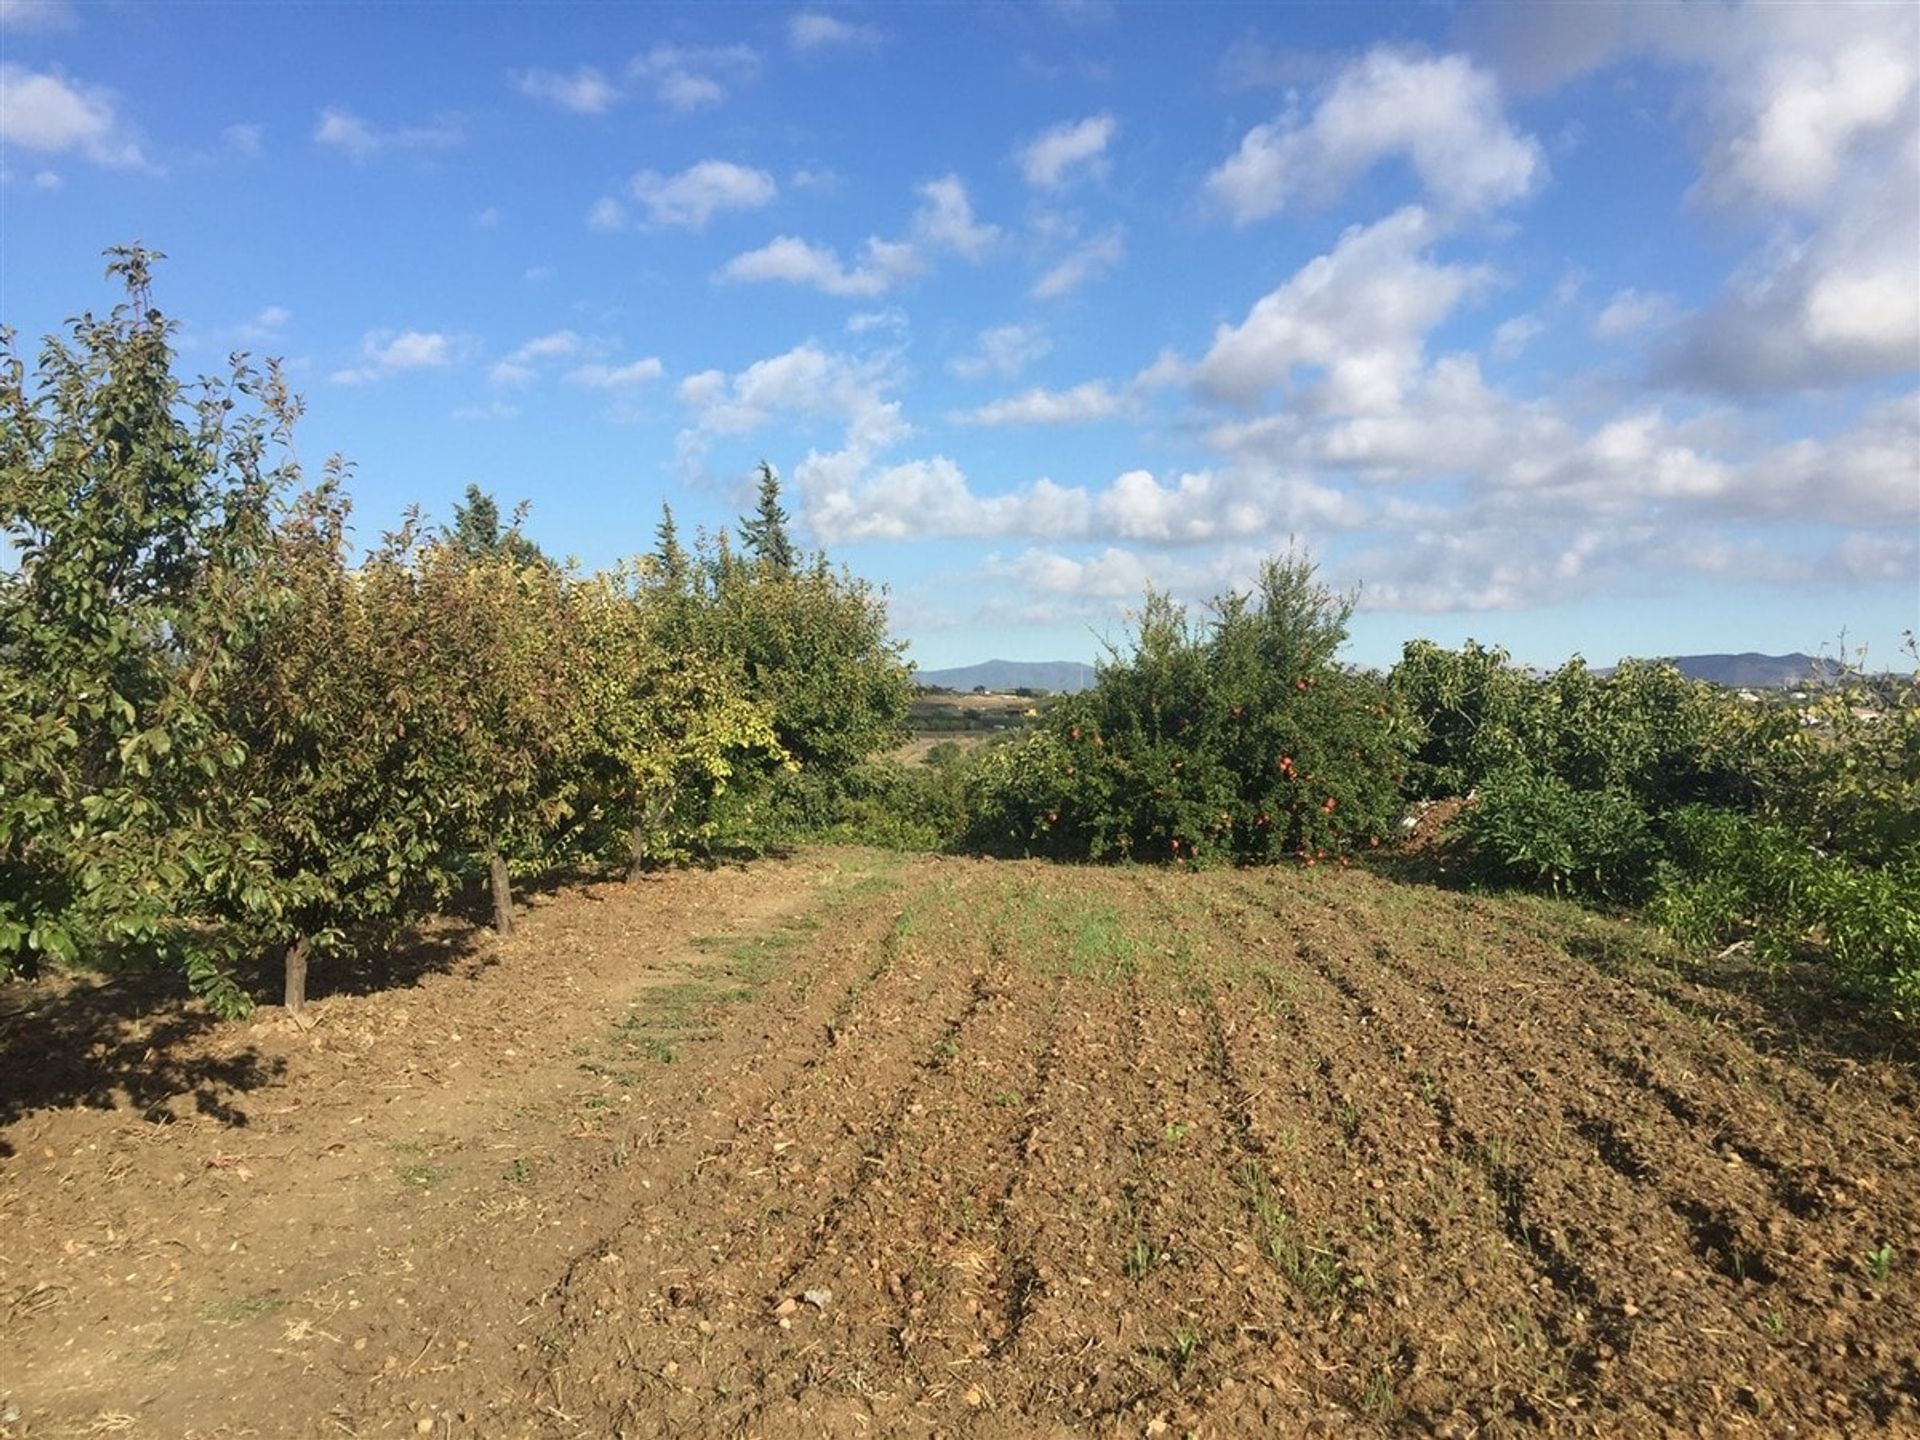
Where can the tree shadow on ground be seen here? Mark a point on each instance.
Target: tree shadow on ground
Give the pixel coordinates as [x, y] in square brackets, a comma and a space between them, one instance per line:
[127, 1040]
[132, 1037]
[1800, 1010]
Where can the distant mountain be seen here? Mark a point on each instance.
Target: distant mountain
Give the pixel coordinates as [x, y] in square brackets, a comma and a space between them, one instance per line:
[1005, 676]
[1755, 672]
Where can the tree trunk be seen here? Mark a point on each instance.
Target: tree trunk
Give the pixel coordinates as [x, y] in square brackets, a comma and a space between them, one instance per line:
[502, 893]
[296, 959]
[635, 861]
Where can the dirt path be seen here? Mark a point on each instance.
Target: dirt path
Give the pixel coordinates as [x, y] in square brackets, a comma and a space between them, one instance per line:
[851, 1145]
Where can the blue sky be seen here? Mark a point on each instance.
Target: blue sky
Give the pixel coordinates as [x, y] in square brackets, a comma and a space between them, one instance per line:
[1574, 328]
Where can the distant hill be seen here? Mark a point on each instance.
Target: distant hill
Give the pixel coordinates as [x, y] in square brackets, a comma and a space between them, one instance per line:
[1755, 672]
[1005, 676]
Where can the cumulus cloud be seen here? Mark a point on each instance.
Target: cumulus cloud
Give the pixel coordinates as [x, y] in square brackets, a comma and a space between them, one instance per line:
[804, 383]
[1867, 474]
[790, 260]
[390, 352]
[945, 220]
[1808, 120]
[522, 366]
[1443, 115]
[584, 91]
[846, 500]
[1110, 574]
[345, 131]
[1817, 110]
[1093, 400]
[1359, 315]
[1062, 154]
[812, 31]
[692, 77]
[1817, 309]
[1003, 350]
[1090, 260]
[1530, 462]
[692, 198]
[1794, 95]
[46, 113]
[850, 494]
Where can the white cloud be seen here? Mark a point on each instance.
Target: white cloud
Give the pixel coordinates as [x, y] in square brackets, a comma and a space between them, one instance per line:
[1836, 305]
[268, 325]
[1631, 311]
[1004, 350]
[807, 382]
[811, 31]
[1866, 475]
[1512, 336]
[1093, 400]
[390, 352]
[1360, 315]
[1090, 261]
[245, 139]
[584, 91]
[891, 318]
[1110, 574]
[606, 213]
[1169, 367]
[844, 500]
[685, 90]
[344, 130]
[522, 366]
[1526, 466]
[820, 179]
[691, 77]
[1442, 115]
[794, 261]
[412, 350]
[495, 409]
[1795, 93]
[50, 115]
[693, 197]
[1814, 111]
[618, 377]
[945, 220]
[486, 218]
[47, 179]
[37, 15]
[849, 498]
[1059, 155]
[1809, 120]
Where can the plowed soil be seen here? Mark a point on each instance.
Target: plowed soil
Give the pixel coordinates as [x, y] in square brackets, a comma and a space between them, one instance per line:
[851, 1145]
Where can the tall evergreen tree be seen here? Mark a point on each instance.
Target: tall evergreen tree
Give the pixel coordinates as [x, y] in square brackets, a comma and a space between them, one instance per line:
[667, 551]
[477, 532]
[765, 531]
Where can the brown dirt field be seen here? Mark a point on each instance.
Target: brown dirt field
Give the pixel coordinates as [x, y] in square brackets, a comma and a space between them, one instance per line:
[858, 1145]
